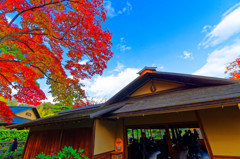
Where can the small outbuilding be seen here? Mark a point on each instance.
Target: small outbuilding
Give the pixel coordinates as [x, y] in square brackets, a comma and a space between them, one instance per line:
[160, 104]
[23, 114]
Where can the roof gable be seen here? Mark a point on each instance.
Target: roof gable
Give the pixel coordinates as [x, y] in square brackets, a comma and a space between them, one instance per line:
[22, 109]
[190, 81]
[156, 86]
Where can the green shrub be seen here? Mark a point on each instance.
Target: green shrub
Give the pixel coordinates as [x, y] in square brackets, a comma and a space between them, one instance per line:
[66, 153]
[11, 155]
[9, 135]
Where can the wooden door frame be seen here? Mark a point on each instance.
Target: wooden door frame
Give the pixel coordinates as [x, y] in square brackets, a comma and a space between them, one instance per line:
[205, 139]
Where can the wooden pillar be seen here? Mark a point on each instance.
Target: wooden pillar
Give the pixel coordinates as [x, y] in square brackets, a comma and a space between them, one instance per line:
[125, 148]
[93, 139]
[168, 137]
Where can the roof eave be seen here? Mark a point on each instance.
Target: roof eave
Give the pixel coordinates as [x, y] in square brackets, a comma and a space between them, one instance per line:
[180, 108]
[32, 123]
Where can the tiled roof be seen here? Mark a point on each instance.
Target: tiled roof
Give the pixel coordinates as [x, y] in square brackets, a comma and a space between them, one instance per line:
[181, 97]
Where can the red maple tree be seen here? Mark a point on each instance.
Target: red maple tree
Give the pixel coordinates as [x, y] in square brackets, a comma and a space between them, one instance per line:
[50, 38]
[234, 69]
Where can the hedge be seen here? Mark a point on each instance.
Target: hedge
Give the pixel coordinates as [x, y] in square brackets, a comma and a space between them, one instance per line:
[9, 135]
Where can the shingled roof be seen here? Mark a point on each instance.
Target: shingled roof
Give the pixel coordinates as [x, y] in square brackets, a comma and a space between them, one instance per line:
[181, 99]
[67, 116]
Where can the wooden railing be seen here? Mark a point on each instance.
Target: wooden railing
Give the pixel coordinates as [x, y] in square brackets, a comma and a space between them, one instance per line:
[8, 143]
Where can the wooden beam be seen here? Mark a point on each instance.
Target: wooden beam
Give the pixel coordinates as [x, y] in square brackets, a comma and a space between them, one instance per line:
[225, 157]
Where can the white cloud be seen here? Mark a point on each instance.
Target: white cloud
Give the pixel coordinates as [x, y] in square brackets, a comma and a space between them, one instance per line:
[161, 67]
[50, 99]
[83, 62]
[107, 86]
[226, 28]
[14, 91]
[122, 45]
[206, 28]
[126, 9]
[111, 11]
[218, 60]
[187, 55]
[158, 66]
[118, 68]
[8, 19]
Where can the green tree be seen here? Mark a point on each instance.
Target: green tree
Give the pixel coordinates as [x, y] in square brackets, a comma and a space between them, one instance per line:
[45, 109]
[58, 107]
[49, 109]
[13, 102]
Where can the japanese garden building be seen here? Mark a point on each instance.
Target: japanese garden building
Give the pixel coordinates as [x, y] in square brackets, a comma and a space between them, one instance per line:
[154, 100]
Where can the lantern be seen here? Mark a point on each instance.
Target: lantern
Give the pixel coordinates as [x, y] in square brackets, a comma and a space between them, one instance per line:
[118, 145]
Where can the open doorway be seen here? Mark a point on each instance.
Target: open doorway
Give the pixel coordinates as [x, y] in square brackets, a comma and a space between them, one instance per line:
[183, 141]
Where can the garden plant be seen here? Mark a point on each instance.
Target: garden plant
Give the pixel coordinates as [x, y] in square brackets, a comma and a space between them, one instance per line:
[65, 153]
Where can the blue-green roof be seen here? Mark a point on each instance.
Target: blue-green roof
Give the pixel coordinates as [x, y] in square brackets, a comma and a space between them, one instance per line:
[18, 109]
[17, 120]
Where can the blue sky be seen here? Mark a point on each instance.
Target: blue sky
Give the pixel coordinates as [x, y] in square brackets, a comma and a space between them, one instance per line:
[187, 36]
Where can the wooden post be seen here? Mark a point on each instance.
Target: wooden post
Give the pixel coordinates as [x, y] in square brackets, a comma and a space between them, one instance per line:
[93, 139]
[168, 137]
[125, 148]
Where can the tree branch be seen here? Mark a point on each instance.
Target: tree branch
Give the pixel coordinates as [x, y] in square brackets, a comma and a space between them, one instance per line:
[7, 80]
[10, 60]
[65, 33]
[22, 42]
[36, 7]
[5, 38]
[45, 74]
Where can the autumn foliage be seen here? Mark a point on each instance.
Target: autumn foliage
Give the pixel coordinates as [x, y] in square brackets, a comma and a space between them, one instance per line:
[234, 69]
[50, 38]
